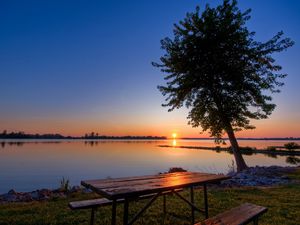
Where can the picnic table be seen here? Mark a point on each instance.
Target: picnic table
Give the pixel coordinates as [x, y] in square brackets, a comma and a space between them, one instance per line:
[130, 188]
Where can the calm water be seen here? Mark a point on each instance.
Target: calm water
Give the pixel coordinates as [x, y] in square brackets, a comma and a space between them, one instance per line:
[30, 165]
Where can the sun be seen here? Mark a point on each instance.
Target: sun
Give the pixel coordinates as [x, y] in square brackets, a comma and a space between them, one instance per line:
[174, 135]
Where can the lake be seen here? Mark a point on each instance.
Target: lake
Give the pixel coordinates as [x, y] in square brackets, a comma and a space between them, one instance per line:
[36, 164]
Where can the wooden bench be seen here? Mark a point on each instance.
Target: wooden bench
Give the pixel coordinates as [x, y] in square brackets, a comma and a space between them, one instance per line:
[93, 204]
[240, 215]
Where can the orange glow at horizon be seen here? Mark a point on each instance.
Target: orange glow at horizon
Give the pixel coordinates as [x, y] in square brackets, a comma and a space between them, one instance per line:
[275, 127]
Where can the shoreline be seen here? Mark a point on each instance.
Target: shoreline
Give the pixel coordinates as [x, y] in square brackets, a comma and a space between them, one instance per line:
[244, 150]
[258, 176]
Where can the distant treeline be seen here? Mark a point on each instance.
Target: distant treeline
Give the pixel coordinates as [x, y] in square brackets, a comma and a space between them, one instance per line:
[21, 135]
[92, 135]
[249, 139]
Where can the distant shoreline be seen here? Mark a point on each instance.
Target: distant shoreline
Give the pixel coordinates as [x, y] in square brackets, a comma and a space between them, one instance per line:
[249, 139]
[244, 150]
[96, 136]
[141, 138]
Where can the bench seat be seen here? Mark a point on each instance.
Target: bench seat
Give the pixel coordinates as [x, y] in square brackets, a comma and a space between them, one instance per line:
[87, 204]
[240, 215]
[93, 204]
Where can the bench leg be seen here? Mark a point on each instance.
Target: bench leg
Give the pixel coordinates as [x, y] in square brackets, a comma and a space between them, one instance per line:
[192, 208]
[255, 221]
[126, 206]
[164, 204]
[114, 212]
[92, 221]
[205, 200]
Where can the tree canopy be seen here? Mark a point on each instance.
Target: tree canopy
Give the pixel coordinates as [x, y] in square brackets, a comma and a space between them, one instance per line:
[214, 66]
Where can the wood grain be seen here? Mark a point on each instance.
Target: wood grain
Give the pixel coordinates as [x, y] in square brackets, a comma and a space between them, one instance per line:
[240, 215]
[136, 186]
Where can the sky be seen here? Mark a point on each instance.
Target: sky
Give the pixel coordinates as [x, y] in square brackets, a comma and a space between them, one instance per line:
[74, 67]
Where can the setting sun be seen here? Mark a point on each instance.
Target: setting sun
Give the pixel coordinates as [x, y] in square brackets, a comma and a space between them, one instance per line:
[174, 135]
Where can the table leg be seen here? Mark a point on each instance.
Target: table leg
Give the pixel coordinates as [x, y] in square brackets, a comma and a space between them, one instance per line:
[164, 204]
[126, 206]
[192, 208]
[92, 221]
[205, 200]
[114, 212]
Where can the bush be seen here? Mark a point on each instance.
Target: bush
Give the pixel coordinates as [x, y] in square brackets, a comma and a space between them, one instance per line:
[247, 148]
[271, 148]
[291, 146]
[65, 185]
[176, 169]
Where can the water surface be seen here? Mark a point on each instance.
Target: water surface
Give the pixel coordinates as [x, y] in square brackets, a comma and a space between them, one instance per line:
[35, 164]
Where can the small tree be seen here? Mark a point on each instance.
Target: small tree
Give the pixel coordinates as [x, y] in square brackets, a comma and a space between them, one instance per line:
[214, 67]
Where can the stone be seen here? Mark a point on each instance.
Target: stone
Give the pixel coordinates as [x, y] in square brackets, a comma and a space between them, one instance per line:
[259, 176]
[75, 189]
[10, 197]
[35, 195]
[25, 197]
[86, 190]
[12, 192]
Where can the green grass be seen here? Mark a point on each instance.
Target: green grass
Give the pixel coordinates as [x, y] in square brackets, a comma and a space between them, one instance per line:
[283, 203]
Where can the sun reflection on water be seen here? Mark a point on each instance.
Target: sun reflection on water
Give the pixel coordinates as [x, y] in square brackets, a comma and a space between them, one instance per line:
[174, 142]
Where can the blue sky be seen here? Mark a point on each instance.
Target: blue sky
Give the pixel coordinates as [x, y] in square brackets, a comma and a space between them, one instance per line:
[76, 66]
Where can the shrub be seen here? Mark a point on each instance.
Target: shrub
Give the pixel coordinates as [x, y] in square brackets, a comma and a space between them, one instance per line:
[291, 146]
[247, 148]
[65, 185]
[176, 169]
[271, 148]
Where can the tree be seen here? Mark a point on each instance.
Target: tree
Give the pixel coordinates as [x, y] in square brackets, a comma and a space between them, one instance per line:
[214, 66]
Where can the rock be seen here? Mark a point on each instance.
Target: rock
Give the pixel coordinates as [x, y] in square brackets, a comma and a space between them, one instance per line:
[35, 195]
[25, 197]
[12, 192]
[44, 193]
[10, 197]
[259, 176]
[75, 189]
[86, 191]
[44, 198]
[60, 195]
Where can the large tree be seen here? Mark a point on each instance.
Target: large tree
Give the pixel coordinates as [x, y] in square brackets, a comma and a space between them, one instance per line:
[214, 66]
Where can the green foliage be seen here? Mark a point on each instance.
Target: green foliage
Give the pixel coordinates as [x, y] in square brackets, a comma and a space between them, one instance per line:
[291, 146]
[214, 66]
[282, 203]
[65, 185]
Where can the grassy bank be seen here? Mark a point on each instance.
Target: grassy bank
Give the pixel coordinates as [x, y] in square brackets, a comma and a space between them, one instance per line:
[270, 151]
[282, 201]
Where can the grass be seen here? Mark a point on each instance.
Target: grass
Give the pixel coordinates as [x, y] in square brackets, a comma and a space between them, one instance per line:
[282, 201]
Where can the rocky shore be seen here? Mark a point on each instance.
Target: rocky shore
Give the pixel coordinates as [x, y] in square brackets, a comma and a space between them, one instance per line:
[253, 176]
[260, 176]
[39, 195]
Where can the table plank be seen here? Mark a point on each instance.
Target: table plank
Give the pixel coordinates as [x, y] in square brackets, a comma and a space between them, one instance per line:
[129, 181]
[135, 186]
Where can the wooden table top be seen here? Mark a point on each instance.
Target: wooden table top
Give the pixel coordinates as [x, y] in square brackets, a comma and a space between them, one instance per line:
[141, 185]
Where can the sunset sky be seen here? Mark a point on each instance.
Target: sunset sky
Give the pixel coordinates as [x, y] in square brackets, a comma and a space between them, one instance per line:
[73, 67]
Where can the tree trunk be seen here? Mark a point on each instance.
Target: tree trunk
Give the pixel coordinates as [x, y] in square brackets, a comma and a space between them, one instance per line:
[240, 163]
